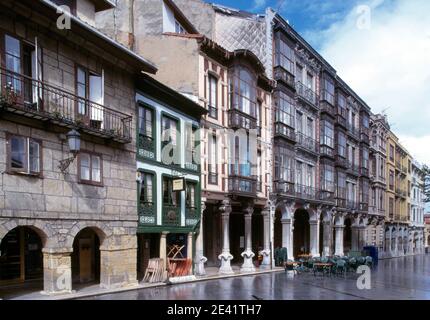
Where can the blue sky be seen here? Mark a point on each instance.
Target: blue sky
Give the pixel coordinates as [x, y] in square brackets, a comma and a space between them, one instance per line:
[379, 47]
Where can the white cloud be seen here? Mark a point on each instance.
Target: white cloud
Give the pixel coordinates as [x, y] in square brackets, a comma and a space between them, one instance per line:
[258, 4]
[388, 65]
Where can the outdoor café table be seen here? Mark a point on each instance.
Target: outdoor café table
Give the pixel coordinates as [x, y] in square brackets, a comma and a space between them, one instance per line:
[319, 266]
[290, 265]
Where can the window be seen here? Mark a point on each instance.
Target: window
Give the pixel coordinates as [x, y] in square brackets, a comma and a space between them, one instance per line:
[299, 73]
[213, 96]
[191, 195]
[299, 173]
[341, 144]
[90, 168]
[212, 165]
[146, 122]
[310, 127]
[328, 92]
[299, 122]
[327, 133]
[284, 160]
[284, 55]
[391, 180]
[170, 136]
[191, 145]
[89, 88]
[285, 110]
[170, 197]
[24, 155]
[327, 178]
[310, 81]
[179, 28]
[341, 103]
[391, 207]
[258, 113]
[391, 152]
[242, 87]
[310, 173]
[365, 159]
[341, 185]
[147, 189]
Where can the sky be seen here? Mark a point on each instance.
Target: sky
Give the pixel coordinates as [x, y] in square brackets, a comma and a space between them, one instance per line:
[381, 48]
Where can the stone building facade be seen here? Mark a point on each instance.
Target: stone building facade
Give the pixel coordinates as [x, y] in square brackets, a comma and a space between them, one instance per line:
[76, 224]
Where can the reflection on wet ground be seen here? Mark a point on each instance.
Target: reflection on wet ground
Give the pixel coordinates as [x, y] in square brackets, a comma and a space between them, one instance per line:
[394, 279]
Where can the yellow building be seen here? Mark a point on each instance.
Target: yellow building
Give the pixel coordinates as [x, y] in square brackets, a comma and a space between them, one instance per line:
[399, 170]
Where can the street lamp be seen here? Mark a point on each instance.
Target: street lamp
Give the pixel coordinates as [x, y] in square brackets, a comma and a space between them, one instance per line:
[74, 142]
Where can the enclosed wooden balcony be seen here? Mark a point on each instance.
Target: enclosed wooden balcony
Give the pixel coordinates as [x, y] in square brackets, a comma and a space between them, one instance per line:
[281, 75]
[240, 120]
[307, 143]
[242, 186]
[41, 101]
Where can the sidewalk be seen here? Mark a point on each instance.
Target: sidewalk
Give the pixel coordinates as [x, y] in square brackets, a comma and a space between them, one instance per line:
[95, 290]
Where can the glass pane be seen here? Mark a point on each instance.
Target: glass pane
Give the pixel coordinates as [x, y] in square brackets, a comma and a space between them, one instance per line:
[96, 89]
[96, 171]
[34, 156]
[17, 152]
[85, 166]
[12, 46]
[148, 182]
[82, 76]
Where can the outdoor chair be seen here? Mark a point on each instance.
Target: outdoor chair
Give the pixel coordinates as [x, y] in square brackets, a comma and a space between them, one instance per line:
[340, 267]
[352, 265]
[369, 262]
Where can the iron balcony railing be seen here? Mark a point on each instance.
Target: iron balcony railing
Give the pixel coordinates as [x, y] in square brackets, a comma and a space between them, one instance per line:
[243, 186]
[171, 214]
[341, 162]
[147, 213]
[353, 131]
[341, 117]
[307, 142]
[327, 151]
[39, 100]
[306, 93]
[284, 76]
[364, 135]
[352, 204]
[240, 120]
[302, 192]
[146, 146]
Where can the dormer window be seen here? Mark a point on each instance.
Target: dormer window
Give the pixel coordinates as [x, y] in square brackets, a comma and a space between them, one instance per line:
[179, 28]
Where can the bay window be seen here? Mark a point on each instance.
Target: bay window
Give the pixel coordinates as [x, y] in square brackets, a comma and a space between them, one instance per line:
[146, 131]
[191, 199]
[327, 177]
[170, 197]
[284, 54]
[328, 91]
[327, 134]
[284, 160]
[341, 144]
[213, 96]
[285, 110]
[147, 189]
[170, 140]
[242, 91]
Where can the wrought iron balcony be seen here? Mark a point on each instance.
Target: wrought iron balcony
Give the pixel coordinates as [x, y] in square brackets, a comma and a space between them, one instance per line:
[281, 75]
[326, 196]
[39, 100]
[147, 213]
[171, 214]
[284, 188]
[306, 192]
[353, 169]
[282, 130]
[192, 216]
[306, 94]
[364, 135]
[353, 131]
[401, 193]
[363, 206]
[341, 118]
[240, 120]
[242, 186]
[307, 143]
[146, 147]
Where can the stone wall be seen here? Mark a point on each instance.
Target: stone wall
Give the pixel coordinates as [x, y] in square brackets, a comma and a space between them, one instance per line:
[56, 205]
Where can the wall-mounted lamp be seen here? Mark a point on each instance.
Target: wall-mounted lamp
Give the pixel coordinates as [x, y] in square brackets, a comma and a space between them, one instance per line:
[74, 142]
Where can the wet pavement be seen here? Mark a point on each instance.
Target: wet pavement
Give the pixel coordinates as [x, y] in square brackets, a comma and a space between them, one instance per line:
[393, 279]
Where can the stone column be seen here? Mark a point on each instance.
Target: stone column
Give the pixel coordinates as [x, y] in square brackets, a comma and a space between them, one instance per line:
[225, 256]
[163, 248]
[362, 237]
[248, 255]
[314, 238]
[287, 237]
[57, 272]
[200, 259]
[266, 251]
[339, 240]
[327, 238]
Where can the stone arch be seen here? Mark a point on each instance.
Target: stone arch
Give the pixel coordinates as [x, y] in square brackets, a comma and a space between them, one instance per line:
[101, 229]
[40, 228]
[286, 210]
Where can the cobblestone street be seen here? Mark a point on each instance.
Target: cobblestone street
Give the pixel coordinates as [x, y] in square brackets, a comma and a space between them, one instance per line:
[394, 279]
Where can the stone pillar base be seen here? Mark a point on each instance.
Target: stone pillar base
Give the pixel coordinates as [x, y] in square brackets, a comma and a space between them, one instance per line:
[225, 268]
[199, 266]
[248, 265]
[57, 273]
[265, 264]
[118, 268]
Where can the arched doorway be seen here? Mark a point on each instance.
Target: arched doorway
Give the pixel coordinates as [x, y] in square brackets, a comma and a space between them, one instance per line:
[301, 240]
[347, 236]
[277, 231]
[21, 258]
[86, 258]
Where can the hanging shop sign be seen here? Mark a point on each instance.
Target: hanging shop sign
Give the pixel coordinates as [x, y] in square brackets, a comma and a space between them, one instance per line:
[178, 184]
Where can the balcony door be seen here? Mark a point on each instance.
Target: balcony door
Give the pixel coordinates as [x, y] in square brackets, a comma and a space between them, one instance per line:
[90, 91]
[23, 67]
